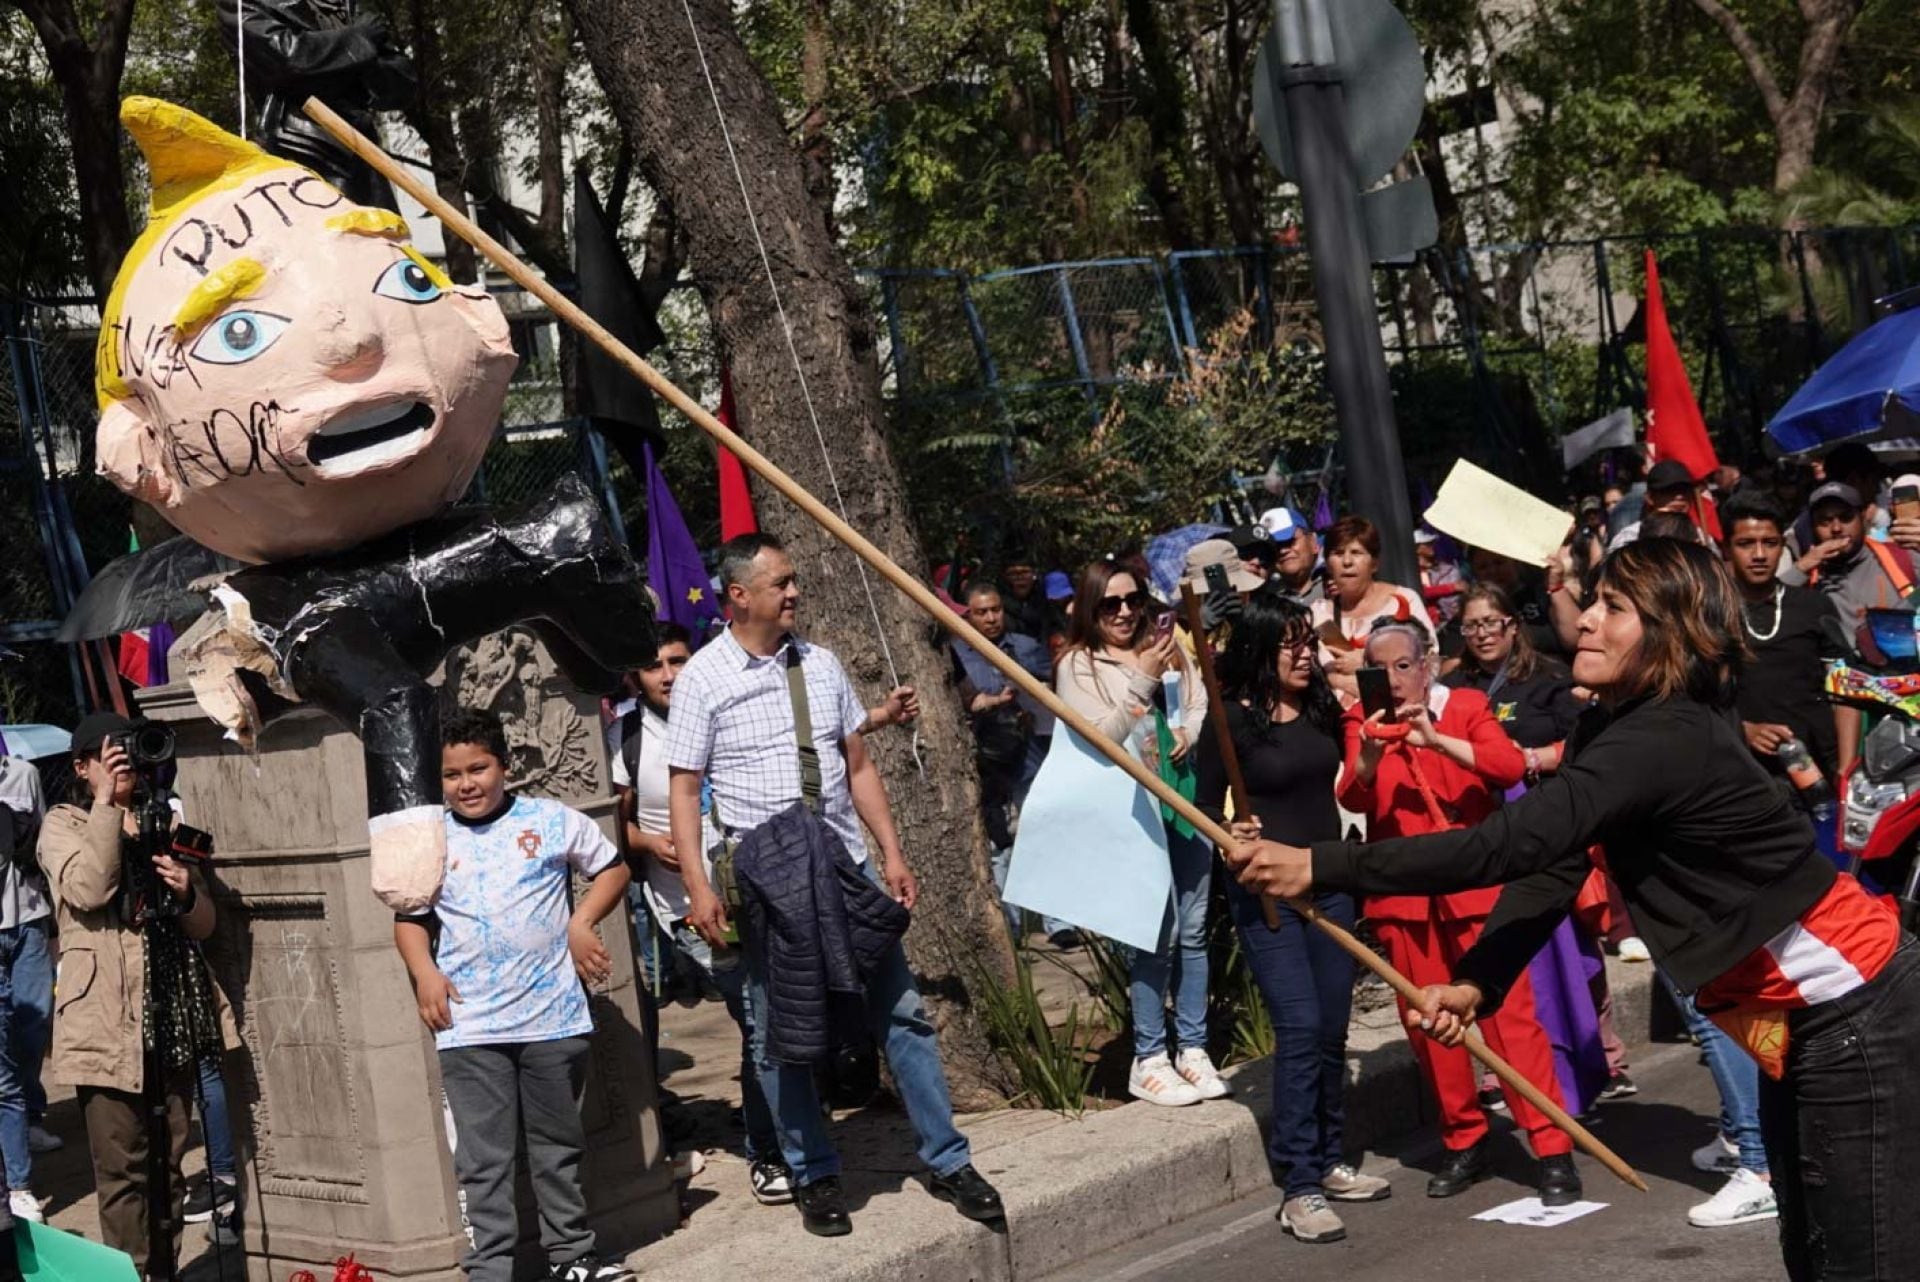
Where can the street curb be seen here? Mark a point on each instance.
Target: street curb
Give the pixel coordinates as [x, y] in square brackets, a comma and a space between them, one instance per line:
[1075, 1188]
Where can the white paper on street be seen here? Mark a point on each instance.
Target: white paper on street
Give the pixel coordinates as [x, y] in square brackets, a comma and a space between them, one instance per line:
[1483, 511]
[1529, 1212]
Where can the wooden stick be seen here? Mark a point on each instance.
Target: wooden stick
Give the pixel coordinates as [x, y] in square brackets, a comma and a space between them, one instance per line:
[1222, 733]
[564, 308]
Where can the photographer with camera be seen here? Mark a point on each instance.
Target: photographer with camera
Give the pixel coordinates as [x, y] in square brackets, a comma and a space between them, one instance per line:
[136, 1007]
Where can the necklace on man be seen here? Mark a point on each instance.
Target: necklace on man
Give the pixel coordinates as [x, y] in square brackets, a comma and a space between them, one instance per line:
[1779, 611]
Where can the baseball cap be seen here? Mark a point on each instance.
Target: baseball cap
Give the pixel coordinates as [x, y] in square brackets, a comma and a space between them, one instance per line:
[1591, 503]
[1057, 585]
[1211, 552]
[94, 727]
[1669, 474]
[1281, 524]
[1836, 492]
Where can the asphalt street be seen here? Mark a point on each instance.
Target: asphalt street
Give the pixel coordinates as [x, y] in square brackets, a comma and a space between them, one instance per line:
[1638, 1236]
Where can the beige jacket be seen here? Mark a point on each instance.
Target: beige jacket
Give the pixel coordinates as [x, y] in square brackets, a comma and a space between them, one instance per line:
[1113, 696]
[100, 991]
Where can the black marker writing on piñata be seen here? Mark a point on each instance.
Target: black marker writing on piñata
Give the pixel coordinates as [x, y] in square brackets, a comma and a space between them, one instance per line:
[225, 445]
[193, 242]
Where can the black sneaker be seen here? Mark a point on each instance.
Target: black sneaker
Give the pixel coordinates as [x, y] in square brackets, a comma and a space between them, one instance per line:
[206, 1197]
[591, 1268]
[970, 1194]
[1493, 1101]
[823, 1208]
[1619, 1086]
[772, 1181]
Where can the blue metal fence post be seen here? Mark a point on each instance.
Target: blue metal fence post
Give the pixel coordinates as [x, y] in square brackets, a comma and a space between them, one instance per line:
[1071, 315]
[896, 338]
[1180, 296]
[988, 370]
[1173, 334]
[600, 474]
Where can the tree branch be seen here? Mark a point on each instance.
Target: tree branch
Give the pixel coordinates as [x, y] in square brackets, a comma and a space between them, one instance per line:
[1750, 55]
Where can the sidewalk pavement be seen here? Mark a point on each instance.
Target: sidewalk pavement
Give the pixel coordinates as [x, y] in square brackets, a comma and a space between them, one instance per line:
[1073, 1187]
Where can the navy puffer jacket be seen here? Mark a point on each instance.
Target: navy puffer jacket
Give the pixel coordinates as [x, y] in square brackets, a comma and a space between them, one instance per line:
[819, 927]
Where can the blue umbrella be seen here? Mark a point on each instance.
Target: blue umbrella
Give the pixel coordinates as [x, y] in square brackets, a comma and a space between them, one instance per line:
[1167, 555]
[1869, 388]
[34, 741]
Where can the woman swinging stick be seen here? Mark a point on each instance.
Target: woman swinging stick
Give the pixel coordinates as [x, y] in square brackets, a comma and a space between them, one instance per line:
[1726, 885]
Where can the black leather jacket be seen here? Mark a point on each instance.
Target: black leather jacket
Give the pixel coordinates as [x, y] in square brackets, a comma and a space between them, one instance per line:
[296, 49]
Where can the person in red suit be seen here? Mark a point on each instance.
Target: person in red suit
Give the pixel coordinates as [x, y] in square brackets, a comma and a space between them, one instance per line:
[1442, 762]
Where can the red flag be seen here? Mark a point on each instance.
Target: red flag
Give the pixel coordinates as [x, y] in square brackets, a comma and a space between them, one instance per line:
[1675, 428]
[133, 661]
[736, 501]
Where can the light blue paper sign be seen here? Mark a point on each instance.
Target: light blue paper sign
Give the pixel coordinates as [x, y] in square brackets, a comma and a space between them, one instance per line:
[1092, 849]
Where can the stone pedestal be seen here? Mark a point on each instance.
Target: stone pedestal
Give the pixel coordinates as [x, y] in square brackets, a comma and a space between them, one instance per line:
[336, 1094]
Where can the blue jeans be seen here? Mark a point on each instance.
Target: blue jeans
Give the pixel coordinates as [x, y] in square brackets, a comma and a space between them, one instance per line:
[731, 983]
[899, 1025]
[1735, 1076]
[1181, 962]
[1307, 984]
[214, 1124]
[26, 1007]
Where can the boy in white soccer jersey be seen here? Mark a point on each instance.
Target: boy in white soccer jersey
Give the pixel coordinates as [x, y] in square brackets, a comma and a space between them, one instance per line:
[497, 966]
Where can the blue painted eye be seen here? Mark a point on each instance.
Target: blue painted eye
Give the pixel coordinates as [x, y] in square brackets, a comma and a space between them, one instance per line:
[237, 337]
[407, 281]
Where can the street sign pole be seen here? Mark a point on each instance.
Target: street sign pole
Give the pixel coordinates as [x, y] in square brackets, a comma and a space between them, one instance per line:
[1311, 84]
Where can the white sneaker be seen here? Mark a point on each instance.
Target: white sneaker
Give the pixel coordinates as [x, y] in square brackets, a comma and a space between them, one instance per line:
[1154, 1081]
[25, 1206]
[42, 1140]
[1634, 949]
[1718, 1156]
[1744, 1199]
[1199, 1072]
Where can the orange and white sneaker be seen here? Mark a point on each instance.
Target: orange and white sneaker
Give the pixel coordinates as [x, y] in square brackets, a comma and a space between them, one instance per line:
[1154, 1080]
[1199, 1073]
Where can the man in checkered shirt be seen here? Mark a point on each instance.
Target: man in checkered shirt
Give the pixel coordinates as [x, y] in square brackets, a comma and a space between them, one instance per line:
[733, 723]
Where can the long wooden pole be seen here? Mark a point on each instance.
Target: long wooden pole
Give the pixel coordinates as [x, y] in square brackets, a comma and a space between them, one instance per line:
[564, 308]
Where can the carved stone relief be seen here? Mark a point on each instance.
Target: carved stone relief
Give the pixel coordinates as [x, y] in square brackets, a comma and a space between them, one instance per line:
[550, 745]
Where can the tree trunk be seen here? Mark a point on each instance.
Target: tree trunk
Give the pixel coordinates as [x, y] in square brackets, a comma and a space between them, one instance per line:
[88, 68]
[431, 116]
[643, 54]
[816, 147]
[1166, 124]
[1066, 127]
[549, 30]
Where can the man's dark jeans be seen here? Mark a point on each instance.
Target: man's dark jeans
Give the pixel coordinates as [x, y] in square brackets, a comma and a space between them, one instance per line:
[1843, 1131]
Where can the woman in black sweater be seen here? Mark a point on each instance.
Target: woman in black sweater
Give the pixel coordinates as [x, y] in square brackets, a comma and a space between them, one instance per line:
[1287, 736]
[1720, 871]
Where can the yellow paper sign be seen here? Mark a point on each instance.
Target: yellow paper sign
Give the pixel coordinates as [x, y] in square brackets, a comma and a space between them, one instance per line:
[1483, 511]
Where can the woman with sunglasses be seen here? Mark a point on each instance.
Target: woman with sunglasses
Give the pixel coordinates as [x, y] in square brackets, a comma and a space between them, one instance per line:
[1533, 699]
[1127, 675]
[1729, 889]
[1287, 736]
[1439, 760]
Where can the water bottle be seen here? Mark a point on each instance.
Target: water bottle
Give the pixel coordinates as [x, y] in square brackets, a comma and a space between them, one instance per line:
[1805, 774]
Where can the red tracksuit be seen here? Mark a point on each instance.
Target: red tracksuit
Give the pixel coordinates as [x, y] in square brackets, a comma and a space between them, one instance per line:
[1425, 935]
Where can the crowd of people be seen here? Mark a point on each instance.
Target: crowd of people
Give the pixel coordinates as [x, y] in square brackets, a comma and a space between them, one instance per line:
[1636, 736]
[1485, 705]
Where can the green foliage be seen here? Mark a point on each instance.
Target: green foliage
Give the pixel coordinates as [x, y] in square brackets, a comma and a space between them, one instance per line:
[1051, 1065]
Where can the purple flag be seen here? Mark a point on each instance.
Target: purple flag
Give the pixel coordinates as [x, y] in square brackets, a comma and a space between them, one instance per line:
[674, 570]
